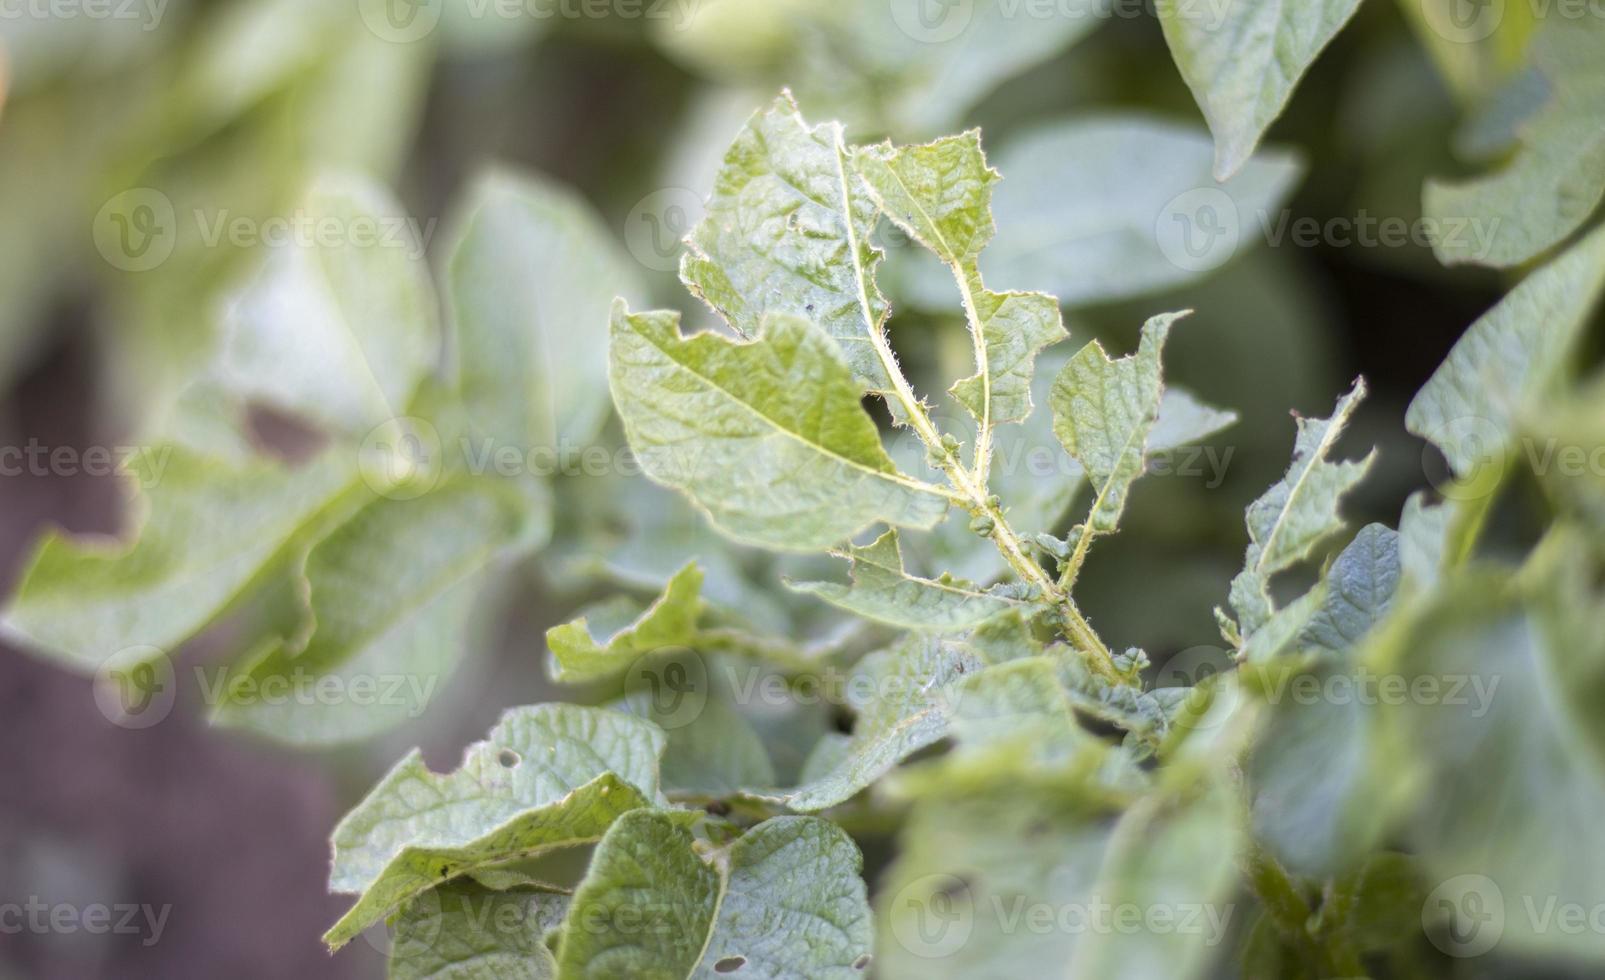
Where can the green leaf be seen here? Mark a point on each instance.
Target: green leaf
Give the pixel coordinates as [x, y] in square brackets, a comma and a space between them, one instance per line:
[788, 231]
[1105, 207]
[546, 777]
[1103, 413]
[389, 592]
[1384, 897]
[1317, 789]
[881, 590]
[1423, 540]
[532, 278]
[464, 931]
[895, 66]
[941, 193]
[905, 709]
[579, 656]
[206, 528]
[1558, 437]
[1358, 592]
[1473, 54]
[1029, 886]
[785, 900]
[1242, 61]
[1505, 365]
[1291, 519]
[1516, 667]
[338, 331]
[1554, 182]
[1185, 421]
[716, 753]
[768, 436]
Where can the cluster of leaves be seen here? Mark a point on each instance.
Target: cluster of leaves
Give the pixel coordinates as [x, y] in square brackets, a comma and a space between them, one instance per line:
[1065, 781]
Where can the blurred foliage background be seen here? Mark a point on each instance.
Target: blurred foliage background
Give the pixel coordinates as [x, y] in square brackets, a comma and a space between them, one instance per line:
[231, 107]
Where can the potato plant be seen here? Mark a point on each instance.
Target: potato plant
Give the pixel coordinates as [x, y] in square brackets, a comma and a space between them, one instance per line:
[837, 708]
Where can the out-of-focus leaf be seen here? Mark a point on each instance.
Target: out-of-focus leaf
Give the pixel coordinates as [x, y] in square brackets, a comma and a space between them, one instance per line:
[974, 874]
[1504, 365]
[579, 655]
[902, 67]
[533, 276]
[1557, 179]
[389, 594]
[1108, 207]
[339, 331]
[1507, 751]
[1473, 54]
[206, 530]
[1243, 59]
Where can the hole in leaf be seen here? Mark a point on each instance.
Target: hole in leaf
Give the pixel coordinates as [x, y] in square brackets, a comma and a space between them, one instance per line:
[862, 963]
[287, 437]
[508, 758]
[730, 964]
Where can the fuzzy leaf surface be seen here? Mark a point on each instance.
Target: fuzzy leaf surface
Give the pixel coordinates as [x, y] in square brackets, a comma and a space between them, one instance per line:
[785, 901]
[768, 436]
[546, 777]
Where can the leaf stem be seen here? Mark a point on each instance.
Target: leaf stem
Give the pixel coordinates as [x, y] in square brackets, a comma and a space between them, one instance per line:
[972, 488]
[983, 435]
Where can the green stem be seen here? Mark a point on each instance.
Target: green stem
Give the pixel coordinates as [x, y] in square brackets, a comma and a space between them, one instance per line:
[972, 487]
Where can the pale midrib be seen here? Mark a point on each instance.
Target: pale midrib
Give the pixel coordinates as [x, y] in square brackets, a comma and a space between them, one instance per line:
[937, 585]
[1137, 431]
[891, 476]
[1333, 429]
[977, 332]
